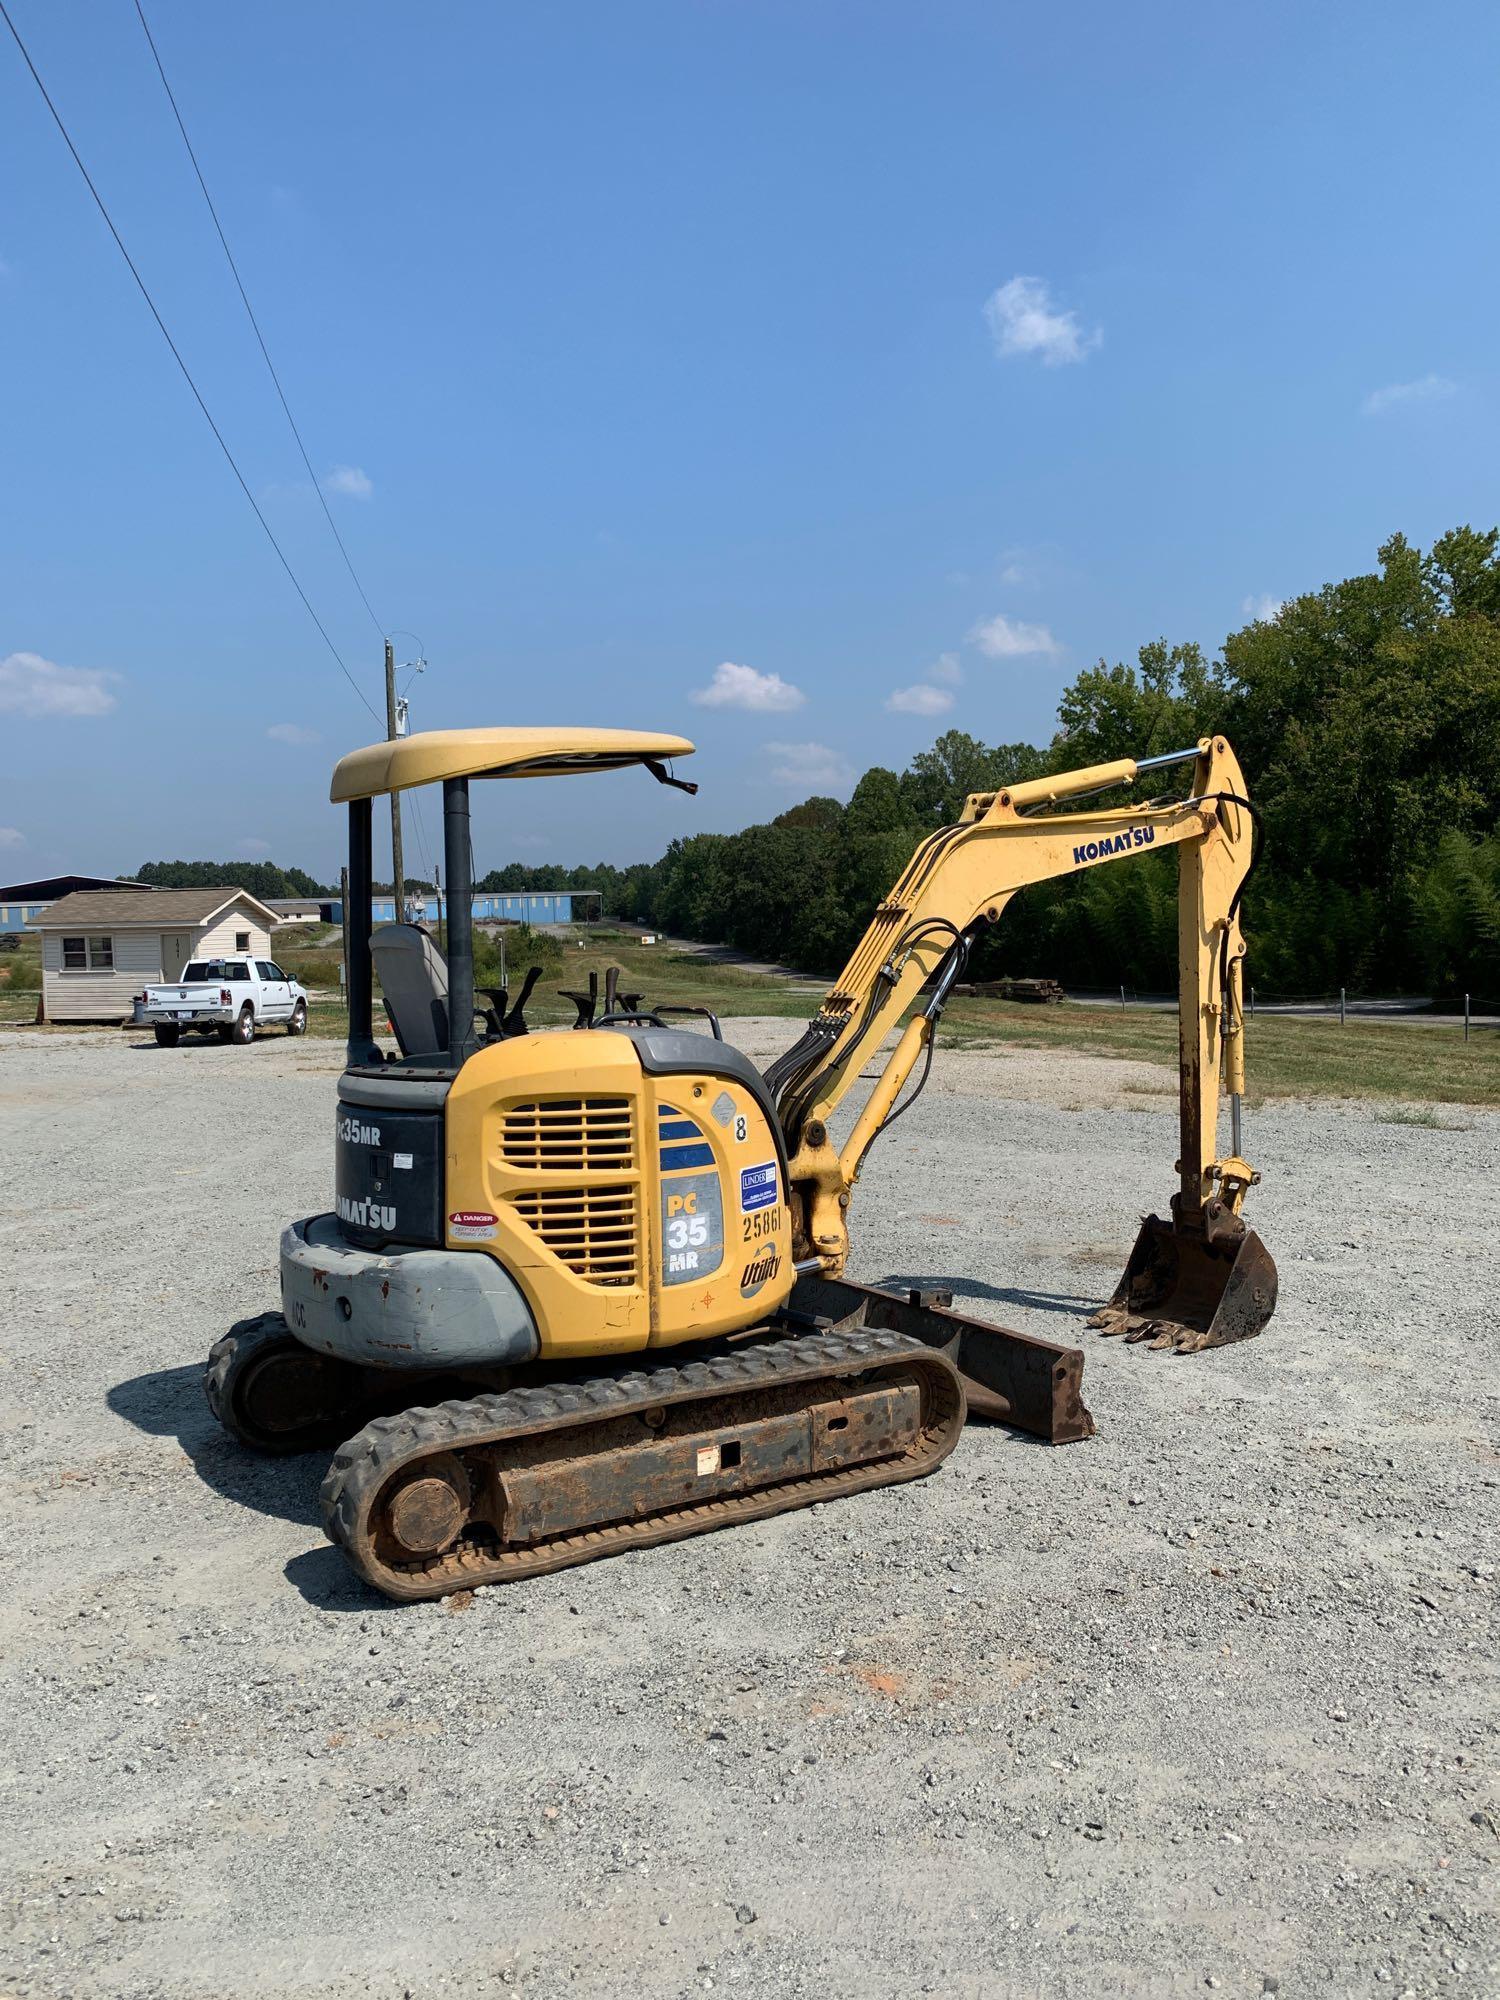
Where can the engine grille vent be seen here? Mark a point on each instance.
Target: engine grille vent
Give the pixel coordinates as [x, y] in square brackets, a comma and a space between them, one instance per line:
[591, 1135]
[590, 1229]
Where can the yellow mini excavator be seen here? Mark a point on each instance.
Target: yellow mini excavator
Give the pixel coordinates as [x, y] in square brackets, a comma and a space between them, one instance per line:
[583, 1289]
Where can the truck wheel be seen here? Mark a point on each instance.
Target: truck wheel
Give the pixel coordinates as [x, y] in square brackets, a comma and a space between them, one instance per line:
[298, 1023]
[243, 1030]
[166, 1038]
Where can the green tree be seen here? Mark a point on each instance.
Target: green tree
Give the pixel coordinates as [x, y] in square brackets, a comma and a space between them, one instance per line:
[1165, 702]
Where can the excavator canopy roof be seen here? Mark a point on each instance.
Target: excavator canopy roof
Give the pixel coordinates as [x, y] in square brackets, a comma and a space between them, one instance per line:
[498, 753]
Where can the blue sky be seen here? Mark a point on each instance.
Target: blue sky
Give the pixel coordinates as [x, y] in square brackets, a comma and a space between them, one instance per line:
[865, 369]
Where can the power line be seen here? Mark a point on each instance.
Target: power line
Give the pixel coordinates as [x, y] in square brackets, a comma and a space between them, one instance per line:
[416, 806]
[177, 357]
[255, 323]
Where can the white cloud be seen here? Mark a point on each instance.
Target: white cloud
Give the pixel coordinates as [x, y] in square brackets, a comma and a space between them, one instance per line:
[350, 480]
[1023, 320]
[946, 671]
[1002, 638]
[1264, 606]
[919, 700]
[12, 836]
[743, 687]
[252, 849]
[1395, 395]
[30, 685]
[292, 732]
[812, 766]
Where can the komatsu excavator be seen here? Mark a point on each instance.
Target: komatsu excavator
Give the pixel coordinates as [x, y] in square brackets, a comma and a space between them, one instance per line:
[582, 1290]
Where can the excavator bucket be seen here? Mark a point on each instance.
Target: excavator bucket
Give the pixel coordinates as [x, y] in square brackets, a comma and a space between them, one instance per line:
[1187, 1289]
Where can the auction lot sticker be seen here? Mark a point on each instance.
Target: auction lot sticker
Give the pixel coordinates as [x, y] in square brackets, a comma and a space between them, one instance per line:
[758, 1186]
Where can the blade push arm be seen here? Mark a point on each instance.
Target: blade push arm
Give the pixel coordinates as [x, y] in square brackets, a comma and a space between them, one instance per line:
[960, 879]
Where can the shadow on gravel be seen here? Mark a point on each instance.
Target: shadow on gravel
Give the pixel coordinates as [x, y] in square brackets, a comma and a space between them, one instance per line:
[169, 1403]
[190, 1043]
[971, 1288]
[323, 1578]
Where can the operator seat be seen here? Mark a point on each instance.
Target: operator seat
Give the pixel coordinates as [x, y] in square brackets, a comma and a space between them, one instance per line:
[414, 981]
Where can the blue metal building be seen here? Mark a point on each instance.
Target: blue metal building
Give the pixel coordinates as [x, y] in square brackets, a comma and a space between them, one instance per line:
[527, 907]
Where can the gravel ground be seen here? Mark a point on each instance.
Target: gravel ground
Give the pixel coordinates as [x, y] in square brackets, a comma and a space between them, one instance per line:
[1205, 1703]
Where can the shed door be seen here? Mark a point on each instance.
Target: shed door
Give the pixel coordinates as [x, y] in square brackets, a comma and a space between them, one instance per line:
[176, 950]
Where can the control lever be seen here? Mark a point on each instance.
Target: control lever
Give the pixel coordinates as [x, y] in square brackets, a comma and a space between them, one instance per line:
[584, 1002]
[493, 1016]
[513, 1022]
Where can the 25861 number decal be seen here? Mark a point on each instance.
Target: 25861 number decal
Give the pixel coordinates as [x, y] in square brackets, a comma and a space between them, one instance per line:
[764, 1222]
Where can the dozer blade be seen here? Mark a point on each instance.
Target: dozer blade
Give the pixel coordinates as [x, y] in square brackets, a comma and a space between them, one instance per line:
[1188, 1289]
[1011, 1378]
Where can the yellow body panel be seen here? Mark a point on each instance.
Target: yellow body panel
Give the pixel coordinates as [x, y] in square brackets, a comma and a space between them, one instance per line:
[615, 1199]
[433, 754]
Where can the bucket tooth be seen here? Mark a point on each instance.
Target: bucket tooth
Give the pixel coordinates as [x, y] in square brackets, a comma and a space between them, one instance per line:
[1191, 1288]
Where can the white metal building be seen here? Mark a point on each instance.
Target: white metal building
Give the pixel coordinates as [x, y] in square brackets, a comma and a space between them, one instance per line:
[100, 947]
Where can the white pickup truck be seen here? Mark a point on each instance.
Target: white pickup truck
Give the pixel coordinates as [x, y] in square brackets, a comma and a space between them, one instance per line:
[232, 996]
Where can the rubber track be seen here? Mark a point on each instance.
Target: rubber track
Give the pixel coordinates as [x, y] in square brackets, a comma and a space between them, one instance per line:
[363, 1467]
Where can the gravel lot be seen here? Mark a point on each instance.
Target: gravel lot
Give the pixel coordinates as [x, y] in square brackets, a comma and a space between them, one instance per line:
[1208, 1702]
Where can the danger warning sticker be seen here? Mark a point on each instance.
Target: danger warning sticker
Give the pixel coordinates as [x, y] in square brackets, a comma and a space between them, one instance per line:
[472, 1225]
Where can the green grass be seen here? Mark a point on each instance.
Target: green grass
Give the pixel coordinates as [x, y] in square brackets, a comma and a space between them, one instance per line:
[1409, 1069]
[665, 977]
[1284, 1056]
[1425, 1115]
[21, 972]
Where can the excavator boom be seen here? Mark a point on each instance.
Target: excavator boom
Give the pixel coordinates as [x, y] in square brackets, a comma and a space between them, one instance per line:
[1198, 1279]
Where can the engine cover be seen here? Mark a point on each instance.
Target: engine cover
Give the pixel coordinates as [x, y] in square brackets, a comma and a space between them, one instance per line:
[633, 1181]
[388, 1160]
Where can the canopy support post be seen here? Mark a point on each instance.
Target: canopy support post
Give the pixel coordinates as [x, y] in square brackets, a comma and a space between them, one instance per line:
[362, 1047]
[459, 861]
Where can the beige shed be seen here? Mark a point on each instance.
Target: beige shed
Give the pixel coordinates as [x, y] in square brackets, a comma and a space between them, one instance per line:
[101, 947]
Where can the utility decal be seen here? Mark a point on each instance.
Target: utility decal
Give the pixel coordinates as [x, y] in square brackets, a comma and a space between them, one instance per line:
[1100, 850]
[692, 1206]
[760, 1271]
[723, 1108]
[366, 1214]
[472, 1225]
[758, 1186]
[356, 1134]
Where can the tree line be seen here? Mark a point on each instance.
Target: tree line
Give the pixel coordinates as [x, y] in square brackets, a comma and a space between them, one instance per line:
[1367, 718]
[261, 878]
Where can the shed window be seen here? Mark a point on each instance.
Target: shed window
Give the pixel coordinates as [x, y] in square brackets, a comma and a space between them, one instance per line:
[242, 940]
[86, 954]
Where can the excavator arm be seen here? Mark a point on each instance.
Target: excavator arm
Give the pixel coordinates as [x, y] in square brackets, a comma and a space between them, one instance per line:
[1200, 1278]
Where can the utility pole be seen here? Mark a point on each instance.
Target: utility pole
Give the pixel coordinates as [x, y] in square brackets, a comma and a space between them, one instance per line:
[398, 860]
